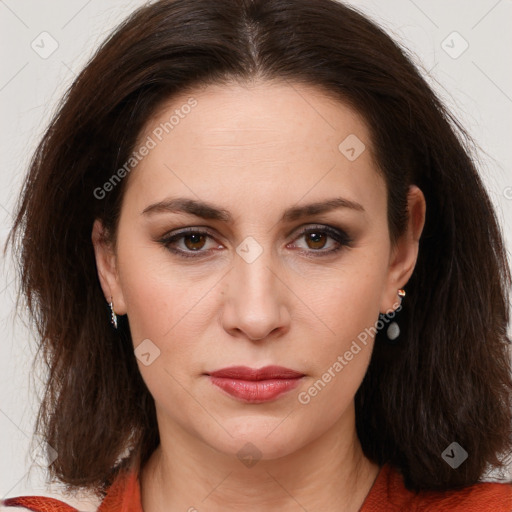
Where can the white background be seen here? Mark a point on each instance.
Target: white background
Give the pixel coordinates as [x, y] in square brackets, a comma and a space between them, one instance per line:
[477, 86]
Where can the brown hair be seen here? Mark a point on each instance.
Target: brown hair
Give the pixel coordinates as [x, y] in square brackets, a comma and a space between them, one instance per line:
[448, 380]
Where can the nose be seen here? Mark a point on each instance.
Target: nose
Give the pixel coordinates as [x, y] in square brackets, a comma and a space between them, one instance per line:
[256, 304]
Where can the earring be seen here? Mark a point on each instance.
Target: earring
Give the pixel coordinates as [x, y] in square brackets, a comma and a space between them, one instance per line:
[393, 330]
[113, 316]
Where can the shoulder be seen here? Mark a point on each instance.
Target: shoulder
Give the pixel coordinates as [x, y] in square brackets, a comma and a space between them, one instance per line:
[36, 504]
[482, 497]
[123, 494]
[389, 493]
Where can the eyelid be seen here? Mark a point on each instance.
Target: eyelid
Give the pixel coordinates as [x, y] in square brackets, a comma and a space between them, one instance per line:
[338, 234]
[167, 239]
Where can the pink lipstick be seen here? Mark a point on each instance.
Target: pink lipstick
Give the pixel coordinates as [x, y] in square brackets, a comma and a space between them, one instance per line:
[255, 385]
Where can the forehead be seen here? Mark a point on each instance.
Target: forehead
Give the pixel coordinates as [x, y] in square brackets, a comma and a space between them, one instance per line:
[276, 137]
[271, 112]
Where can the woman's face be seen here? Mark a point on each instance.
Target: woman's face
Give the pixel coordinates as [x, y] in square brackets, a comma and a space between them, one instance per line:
[266, 277]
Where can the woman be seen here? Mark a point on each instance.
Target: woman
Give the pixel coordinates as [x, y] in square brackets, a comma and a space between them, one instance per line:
[305, 278]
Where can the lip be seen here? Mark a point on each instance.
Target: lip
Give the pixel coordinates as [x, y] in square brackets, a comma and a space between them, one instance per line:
[255, 385]
[265, 373]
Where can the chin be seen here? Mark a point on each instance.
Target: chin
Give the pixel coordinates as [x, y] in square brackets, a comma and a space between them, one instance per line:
[256, 438]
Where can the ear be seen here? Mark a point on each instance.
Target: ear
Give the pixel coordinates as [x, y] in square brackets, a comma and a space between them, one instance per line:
[106, 263]
[404, 255]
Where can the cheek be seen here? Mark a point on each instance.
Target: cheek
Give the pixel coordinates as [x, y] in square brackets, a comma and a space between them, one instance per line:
[339, 359]
[341, 346]
[167, 319]
[346, 300]
[173, 321]
[171, 308]
[157, 293]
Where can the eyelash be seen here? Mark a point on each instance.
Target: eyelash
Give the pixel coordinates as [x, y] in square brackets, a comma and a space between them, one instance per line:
[339, 236]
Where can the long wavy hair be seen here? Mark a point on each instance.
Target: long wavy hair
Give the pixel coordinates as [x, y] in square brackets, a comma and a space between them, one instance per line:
[450, 377]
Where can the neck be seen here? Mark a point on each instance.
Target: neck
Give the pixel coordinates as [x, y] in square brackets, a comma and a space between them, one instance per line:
[330, 473]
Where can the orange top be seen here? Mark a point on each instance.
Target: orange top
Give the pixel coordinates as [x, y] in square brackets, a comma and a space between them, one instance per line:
[387, 494]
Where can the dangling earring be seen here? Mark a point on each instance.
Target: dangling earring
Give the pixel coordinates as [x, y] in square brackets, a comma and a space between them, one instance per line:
[113, 316]
[393, 330]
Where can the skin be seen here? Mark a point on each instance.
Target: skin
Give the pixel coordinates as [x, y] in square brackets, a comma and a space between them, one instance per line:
[254, 151]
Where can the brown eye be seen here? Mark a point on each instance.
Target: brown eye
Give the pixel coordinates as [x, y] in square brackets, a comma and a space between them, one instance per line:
[194, 241]
[191, 243]
[320, 241]
[316, 240]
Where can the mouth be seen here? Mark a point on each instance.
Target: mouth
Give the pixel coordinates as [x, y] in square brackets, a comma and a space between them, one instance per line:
[255, 385]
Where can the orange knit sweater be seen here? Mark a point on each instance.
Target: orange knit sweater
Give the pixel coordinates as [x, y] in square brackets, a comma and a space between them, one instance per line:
[387, 494]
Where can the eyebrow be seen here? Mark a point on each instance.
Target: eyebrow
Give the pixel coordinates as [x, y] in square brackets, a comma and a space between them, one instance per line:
[212, 212]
